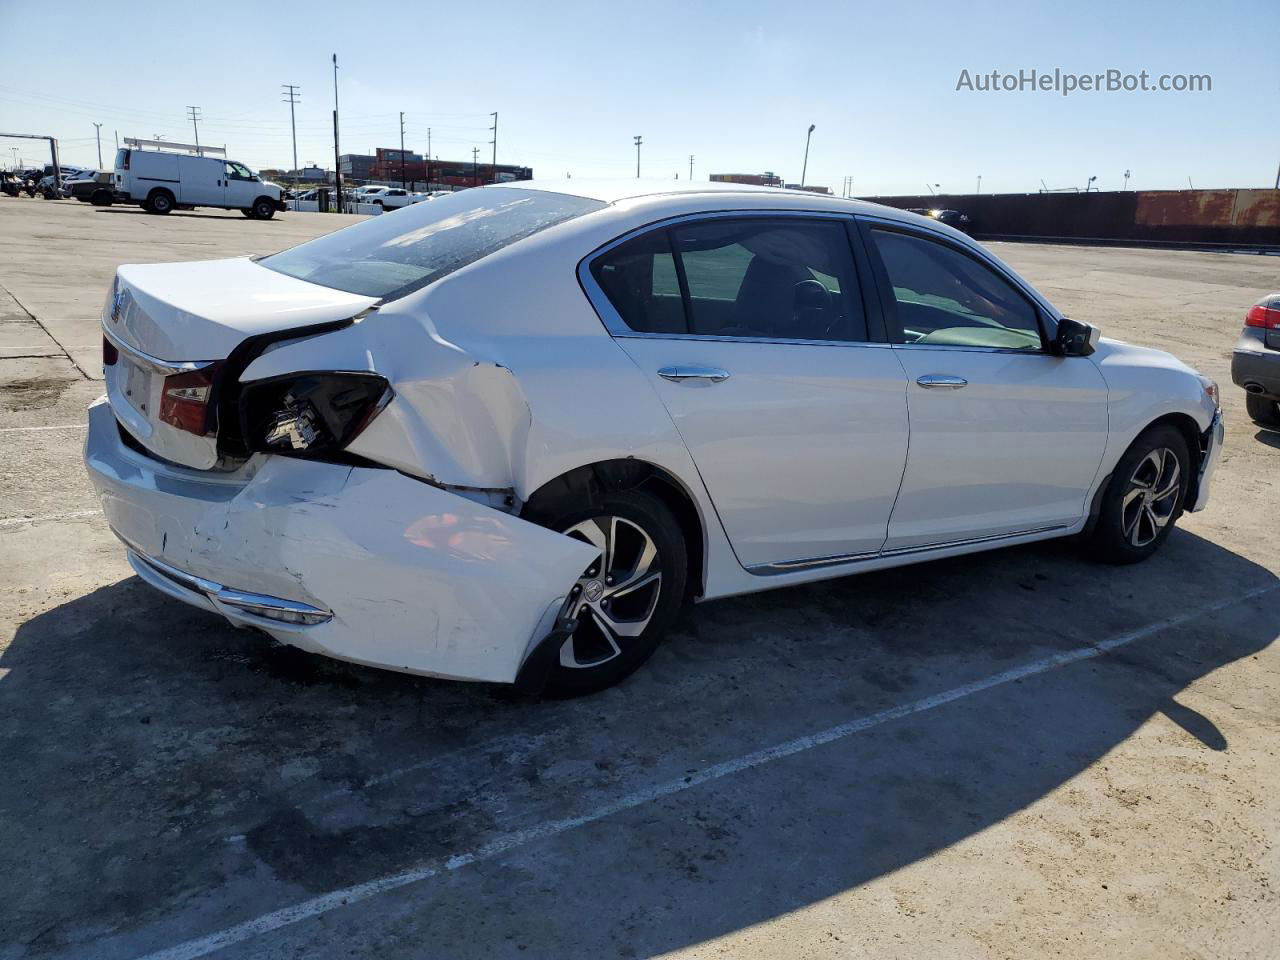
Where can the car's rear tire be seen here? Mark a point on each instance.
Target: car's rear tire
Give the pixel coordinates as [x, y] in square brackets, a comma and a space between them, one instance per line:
[1263, 411]
[263, 209]
[623, 608]
[159, 202]
[102, 198]
[1144, 498]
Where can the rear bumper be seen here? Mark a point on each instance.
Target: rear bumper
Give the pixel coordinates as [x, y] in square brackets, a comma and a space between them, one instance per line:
[369, 565]
[1214, 438]
[1257, 372]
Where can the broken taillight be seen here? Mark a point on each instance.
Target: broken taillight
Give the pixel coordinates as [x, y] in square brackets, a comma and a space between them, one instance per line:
[184, 399]
[310, 414]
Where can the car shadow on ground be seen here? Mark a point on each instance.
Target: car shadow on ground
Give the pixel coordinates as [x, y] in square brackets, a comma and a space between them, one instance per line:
[1270, 437]
[167, 775]
[177, 214]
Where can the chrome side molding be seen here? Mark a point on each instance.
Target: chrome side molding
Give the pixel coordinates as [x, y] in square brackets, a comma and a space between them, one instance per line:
[791, 566]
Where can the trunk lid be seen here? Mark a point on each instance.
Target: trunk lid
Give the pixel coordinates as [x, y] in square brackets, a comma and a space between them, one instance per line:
[175, 322]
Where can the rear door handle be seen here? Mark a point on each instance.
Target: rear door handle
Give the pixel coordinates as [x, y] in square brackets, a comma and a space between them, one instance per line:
[941, 381]
[677, 374]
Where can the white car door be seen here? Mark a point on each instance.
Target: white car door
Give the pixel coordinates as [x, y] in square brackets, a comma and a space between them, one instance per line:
[242, 187]
[201, 181]
[754, 333]
[1006, 438]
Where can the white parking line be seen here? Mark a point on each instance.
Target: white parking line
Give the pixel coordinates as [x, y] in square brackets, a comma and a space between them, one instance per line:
[74, 515]
[503, 843]
[56, 426]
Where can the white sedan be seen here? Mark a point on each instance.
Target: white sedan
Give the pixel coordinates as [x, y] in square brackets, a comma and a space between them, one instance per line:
[504, 435]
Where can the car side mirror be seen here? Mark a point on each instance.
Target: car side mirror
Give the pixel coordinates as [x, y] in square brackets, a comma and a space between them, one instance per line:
[1075, 339]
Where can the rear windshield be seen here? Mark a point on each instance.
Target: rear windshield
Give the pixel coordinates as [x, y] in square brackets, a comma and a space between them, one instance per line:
[395, 253]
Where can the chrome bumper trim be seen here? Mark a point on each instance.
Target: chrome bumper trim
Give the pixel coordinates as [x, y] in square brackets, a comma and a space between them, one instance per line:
[260, 605]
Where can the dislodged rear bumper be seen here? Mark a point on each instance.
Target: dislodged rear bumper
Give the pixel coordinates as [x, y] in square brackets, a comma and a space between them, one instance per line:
[1213, 439]
[377, 568]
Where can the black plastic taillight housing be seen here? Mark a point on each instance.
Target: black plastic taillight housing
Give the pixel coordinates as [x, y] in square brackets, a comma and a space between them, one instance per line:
[311, 414]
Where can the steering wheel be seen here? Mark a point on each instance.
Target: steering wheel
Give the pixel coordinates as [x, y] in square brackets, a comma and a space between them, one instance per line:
[811, 296]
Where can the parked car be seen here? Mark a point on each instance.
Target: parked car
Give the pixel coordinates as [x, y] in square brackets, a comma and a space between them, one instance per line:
[952, 218]
[159, 181]
[98, 189]
[389, 198]
[1255, 363]
[503, 435]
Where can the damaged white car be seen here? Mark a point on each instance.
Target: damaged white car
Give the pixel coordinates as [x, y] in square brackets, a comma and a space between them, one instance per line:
[503, 436]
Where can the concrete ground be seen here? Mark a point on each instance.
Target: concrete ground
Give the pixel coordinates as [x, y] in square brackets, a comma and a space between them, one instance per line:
[1015, 754]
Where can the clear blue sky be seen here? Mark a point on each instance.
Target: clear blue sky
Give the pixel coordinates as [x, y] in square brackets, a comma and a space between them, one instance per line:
[734, 83]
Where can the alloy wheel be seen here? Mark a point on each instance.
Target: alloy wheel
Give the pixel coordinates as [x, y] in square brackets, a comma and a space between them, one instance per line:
[1152, 496]
[615, 598]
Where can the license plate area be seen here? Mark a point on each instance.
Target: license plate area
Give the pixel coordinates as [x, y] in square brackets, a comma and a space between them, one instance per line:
[137, 387]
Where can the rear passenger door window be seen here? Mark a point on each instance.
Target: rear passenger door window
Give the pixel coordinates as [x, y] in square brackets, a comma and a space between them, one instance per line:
[640, 281]
[775, 278]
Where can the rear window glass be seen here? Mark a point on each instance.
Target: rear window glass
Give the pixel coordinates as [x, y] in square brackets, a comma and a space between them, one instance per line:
[393, 254]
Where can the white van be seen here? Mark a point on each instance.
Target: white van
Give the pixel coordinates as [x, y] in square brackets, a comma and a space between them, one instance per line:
[159, 181]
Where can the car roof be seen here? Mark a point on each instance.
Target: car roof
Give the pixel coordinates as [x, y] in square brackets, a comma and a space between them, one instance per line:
[616, 191]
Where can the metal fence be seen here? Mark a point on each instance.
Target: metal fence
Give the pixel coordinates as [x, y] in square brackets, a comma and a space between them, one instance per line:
[1236, 218]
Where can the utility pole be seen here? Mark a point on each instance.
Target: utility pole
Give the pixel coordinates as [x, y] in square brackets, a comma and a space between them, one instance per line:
[291, 97]
[1126, 179]
[97, 131]
[194, 114]
[494, 141]
[402, 178]
[337, 161]
[691, 166]
[475, 166]
[979, 190]
[805, 169]
[428, 159]
[1277, 177]
[638, 142]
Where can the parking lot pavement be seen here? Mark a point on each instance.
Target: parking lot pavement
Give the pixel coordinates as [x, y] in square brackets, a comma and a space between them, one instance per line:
[1016, 753]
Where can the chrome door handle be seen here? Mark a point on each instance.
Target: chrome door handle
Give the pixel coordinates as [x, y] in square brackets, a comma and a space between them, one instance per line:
[941, 381]
[680, 373]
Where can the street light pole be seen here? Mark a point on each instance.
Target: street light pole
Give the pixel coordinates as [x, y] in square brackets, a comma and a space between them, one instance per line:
[638, 142]
[691, 166]
[805, 169]
[97, 132]
[979, 190]
[337, 162]
[402, 176]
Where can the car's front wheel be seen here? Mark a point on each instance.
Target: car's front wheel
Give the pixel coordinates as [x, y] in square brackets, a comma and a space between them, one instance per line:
[263, 209]
[625, 599]
[1144, 498]
[1263, 411]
